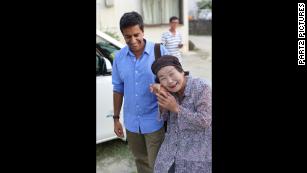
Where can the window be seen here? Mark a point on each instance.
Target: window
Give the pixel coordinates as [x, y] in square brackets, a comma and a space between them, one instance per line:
[159, 11]
[100, 65]
[103, 65]
[97, 65]
[106, 48]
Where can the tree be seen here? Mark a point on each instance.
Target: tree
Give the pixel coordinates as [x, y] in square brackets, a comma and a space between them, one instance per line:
[205, 4]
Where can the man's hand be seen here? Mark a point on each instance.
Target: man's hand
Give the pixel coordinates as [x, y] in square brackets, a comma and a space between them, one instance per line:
[118, 128]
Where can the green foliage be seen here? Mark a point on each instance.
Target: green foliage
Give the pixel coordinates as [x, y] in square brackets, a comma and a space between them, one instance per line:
[204, 4]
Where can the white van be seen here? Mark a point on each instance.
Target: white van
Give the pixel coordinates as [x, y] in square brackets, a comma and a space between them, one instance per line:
[106, 47]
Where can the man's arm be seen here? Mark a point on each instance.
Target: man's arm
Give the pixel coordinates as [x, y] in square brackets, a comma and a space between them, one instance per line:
[163, 39]
[118, 89]
[117, 104]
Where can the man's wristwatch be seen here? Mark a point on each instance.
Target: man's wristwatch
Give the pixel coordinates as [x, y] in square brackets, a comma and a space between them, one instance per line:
[115, 117]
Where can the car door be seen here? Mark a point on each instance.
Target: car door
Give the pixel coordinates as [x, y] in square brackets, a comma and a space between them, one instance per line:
[105, 49]
[104, 101]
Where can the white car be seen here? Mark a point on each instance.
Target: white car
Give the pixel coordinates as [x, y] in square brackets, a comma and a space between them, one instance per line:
[106, 47]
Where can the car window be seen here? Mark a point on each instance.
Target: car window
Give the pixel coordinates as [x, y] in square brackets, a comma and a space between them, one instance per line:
[100, 65]
[97, 65]
[106, 48]
[103, 65]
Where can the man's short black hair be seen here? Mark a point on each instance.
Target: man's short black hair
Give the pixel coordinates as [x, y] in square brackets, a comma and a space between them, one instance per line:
[173, 18]
[131, 19]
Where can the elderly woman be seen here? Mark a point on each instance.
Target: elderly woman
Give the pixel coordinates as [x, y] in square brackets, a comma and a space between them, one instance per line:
[185, 104]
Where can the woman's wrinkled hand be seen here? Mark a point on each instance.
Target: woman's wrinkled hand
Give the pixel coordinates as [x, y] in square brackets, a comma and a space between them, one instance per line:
[157, 88]
[167, 101]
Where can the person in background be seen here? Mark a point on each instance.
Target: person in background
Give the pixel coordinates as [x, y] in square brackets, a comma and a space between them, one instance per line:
[172, 39]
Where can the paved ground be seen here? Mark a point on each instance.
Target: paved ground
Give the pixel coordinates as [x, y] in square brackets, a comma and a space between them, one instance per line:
[198, 62]
[114, 156]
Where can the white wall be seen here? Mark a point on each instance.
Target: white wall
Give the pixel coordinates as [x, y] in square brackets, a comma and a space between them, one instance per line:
[107, 19]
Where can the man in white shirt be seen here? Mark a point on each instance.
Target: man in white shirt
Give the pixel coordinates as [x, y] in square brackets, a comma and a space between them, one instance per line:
[172, 39]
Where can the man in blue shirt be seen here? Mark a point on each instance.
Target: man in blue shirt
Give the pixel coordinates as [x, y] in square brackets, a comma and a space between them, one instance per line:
[131, 79]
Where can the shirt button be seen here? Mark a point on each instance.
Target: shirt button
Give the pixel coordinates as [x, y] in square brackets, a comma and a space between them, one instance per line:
[136, 71]
[136, 95]
[136, 83]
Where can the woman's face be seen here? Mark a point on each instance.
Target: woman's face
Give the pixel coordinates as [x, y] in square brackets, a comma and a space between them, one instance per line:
[171, 78]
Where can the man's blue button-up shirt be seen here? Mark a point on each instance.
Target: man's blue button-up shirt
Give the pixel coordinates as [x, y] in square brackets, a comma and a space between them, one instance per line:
[132, 77]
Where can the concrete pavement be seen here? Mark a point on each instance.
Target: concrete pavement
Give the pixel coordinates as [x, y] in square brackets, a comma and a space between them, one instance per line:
[199, 61]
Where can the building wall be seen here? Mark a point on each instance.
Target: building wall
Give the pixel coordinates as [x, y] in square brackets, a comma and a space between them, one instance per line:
[107, 19]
